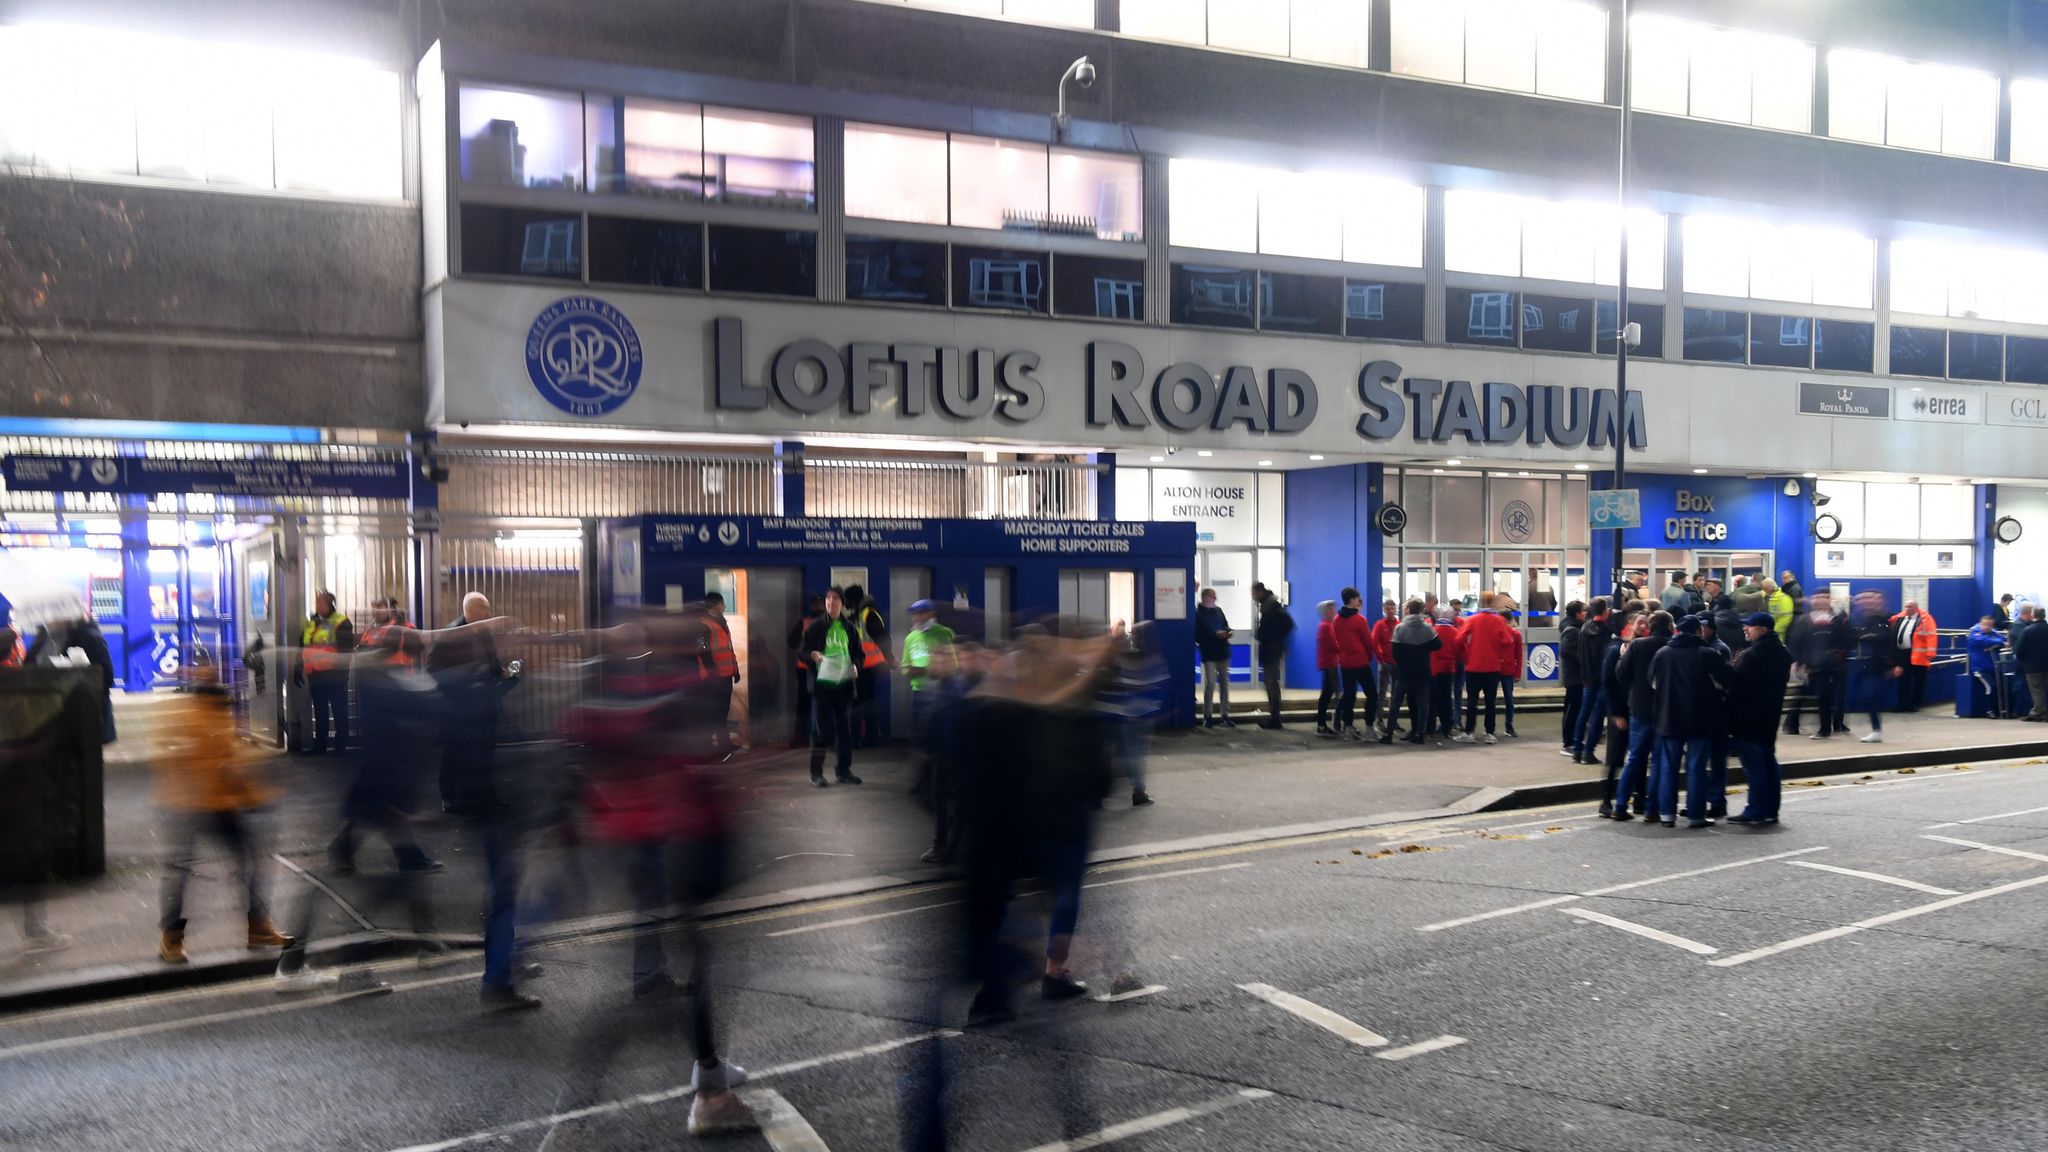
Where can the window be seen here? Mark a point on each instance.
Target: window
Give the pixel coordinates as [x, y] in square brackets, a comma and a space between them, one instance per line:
[1730, 257]
[895, 271]
[1214, 296]
[1062, 13]
[760, 158]
[1480, 317]
[519, 242]
[1494, 234]
[98, 101]
[1557, 323]
[981, 182]
[1325, 215]
[1716, 336]
[1930, 107]
[1976, 356]
[1650, 316]
[2026, 360]
[1689, 69]
[1549, 47]
[895, 174]
[1919, 351]
[521, 139]
[1001, 279]
[2029, 122]
[655, 253]
[1099, 287]
[1325, 31]
[1378, 310]
[1780, 341]
[1296, 303]
[648, 147]
[764, 261]
[1844, 345]
[1973, 282]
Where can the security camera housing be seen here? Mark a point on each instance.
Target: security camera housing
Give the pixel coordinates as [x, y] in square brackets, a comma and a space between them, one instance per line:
[1085, 75]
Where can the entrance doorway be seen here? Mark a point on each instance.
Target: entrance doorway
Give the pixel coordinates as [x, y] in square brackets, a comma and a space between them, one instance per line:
[762, 606]
[261, 610]
[1660, 564]
[1230, 571]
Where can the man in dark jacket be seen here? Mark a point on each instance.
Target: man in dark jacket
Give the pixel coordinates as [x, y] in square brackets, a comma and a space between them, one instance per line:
[1594, 636]
[1212, 644]
[1873, 669]
[1727, 624]
[1632, 677]
[1756, 694]
[1606, 687]
[1274, 629]
[1686, 678]
[2030, 650]
[832, 653]
[1415, 638]
[1820, 641]
[1570, 662]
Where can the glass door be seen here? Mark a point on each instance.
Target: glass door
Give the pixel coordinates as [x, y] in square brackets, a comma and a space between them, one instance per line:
[1230, 572]
[261, 612]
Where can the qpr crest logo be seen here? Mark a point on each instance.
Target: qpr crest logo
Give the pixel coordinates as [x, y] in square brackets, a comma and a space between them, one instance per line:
[583, 356]
[1517, 521]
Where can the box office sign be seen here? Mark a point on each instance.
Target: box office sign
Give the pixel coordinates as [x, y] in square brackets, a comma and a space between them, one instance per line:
[1016, 386]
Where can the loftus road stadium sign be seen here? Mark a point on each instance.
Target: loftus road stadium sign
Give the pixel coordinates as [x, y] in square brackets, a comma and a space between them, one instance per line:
[812, 377]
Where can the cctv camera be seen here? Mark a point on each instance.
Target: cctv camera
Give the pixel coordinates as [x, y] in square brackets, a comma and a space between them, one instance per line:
[1085, 74]
[1822, 501]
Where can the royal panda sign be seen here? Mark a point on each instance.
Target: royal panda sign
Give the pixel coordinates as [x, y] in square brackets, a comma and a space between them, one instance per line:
[1015, 386]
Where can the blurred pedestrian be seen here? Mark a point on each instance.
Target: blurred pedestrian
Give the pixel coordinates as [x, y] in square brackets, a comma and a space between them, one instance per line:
[208, 783]
[1273, 632]
[872, 665]
[324, 643]
[1133, 696]
[1212, 645]
[72, 641]
[1984, 643]
[800, 723]
[1610, 712]
[834, 653]
[1873, 668]
[1354, 666]
[1415, 642]
[1756, 694]
[1326, 665]
[928, 662]
[722, 671]
[1820, 641]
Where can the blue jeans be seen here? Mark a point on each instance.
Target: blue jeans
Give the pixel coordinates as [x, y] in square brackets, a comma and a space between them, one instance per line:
[1692, 752]
[501, 869]
[1766, 779]
[1134, 738]
[1642, 747]
[1592, 722]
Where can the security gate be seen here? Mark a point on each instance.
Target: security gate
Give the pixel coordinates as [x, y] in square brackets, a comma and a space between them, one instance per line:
[533, 571]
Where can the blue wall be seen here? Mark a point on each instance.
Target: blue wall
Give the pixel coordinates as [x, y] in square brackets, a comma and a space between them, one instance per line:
[1331, 544]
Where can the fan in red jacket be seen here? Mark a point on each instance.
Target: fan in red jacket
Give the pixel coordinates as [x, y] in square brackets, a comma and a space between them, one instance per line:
[1383, 650]
[1490, 649]
[1355, 649]
[1511, 672]
[1326, 665]
[1443, 669]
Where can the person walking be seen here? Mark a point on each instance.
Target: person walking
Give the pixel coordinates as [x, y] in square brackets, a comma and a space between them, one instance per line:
[1875, 660]
[1915, 637]
[208, 784]
[1632, 671]
[834, 652]
[2030, 651]
[1326, 665]
[401, 722]
[723, 671]
[1414, 642]
[928, 662]
[1354, 666]
[1820, 642]
[1687, 677]
[1486, 640]
[1383, 653]
[1756, 695]
[1984, 642]
[1569, 673]
[1594, 637]
[800, 721]
[1274, 629]
[324, 643]
[1212, 644]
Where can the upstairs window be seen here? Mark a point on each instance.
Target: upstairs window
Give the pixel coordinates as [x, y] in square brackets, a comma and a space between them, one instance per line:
[1060, 13]
[981, 182]
[1967, 281]
[1320, 215]
[1548, 47]
[2030, 123]
[1323, 31]
[1929, 107]
[1689, 69]
[1495, 234]
[1792, 262]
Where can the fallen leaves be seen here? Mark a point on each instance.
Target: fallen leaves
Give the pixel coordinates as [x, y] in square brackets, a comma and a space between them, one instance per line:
[1806, 783]
[1380, 855]
[1358, 851]
[1554, 828]
[1908, 771]
[1419, 848]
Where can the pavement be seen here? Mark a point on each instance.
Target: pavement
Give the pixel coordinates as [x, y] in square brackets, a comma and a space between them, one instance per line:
[1215, 788]
[1864, 975]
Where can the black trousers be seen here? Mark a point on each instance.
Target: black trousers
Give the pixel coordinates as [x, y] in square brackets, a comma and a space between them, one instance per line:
[1912, 687]
[1332, 680]
[1476, 684]
[1574, 700]
[330, 709]
[832, 726]
[1440, 702]
[1354, 679]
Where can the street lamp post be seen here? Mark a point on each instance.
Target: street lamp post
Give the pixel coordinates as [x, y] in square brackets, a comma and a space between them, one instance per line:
[1621, 306]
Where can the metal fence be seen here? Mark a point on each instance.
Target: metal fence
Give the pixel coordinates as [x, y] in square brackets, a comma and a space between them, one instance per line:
[534, 574]
[533, 482]
[950, 489]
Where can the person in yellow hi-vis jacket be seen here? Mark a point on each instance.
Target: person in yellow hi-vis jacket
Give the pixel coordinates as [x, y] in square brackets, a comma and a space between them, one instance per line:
[325, 641]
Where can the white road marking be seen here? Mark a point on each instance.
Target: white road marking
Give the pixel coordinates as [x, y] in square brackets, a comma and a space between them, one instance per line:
[316, 882]
[1133, 994]
[1318, 1015]
[850, 921]
[1611, 889]
[1880, 921]
[1880, 877]
[1984, 819]
[647, 1098]
[782, 1125]
[1643, 930]
[1998, 848]
[1423, 1048]
[1461, 921]
[1154, 1122]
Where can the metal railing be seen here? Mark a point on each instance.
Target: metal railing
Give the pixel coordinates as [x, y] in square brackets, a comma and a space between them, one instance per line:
[951, 489]
[543, 483]
[536, 576]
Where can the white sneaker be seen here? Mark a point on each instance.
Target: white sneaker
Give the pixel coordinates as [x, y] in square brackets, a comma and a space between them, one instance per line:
[714, 1112]
[1873, 738]
[45, 941]
[1461, 738]
[305, 980]
[728, 1075]
[1490, 740]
